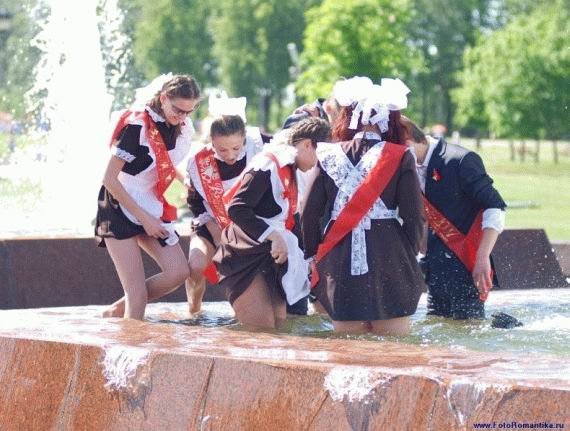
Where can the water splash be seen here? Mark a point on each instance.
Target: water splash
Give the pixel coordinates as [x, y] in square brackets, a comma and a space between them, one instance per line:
[353, 383]
[72, 96]
[126, 368]
[465, 396]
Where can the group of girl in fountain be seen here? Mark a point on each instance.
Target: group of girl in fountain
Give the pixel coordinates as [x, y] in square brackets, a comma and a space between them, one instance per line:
[332, 207]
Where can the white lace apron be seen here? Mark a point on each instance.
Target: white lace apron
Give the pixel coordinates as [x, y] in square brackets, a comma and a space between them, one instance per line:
[348, 178]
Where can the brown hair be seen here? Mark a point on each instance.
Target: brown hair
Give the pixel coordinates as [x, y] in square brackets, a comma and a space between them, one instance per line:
[414, 132]
[315, 129]
[227, 125]
[395, 134]
[179, 86]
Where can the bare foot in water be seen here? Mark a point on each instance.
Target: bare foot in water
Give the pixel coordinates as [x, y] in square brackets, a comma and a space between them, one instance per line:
[195, 293]
[113, 311]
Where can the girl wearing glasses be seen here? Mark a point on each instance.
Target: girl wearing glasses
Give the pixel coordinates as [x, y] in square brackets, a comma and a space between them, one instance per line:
[148, 142]
[212, 171]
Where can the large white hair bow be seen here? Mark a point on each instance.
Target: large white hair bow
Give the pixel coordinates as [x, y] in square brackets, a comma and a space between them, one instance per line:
[394, 94]
[353, 92]
[144, 95]
[221, 104]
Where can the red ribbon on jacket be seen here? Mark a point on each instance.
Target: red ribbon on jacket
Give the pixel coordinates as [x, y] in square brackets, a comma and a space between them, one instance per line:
[165, 170]
[463, 246]
[358, 206]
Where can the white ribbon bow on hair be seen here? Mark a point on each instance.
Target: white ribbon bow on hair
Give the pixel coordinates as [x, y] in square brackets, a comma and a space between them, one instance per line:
[394, 94]
[144, 95]
[374, 103]
[353, 91]
[224, 105]
[364, 97]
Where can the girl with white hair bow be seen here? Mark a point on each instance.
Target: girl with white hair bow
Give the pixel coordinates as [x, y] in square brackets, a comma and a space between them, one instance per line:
[213, 169]
[363, 220]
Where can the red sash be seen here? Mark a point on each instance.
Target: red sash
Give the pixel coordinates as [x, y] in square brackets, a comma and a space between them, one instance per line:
[165, 169]
[214, 190]
[212, 185]
[463, 246]
[367, 193]
[219, 202]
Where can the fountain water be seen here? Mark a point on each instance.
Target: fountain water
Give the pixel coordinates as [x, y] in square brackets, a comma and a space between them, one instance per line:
[71, 83]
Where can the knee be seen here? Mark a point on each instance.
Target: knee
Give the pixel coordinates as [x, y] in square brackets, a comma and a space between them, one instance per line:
[198, 264]
[179, 273]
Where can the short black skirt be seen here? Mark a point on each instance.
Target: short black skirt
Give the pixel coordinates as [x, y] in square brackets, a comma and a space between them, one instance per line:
[111, 221]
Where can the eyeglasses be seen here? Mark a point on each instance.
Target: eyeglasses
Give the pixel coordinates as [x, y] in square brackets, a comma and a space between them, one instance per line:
[180, 112]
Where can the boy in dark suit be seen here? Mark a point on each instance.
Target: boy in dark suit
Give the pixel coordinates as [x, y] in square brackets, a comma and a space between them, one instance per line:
[465, 215]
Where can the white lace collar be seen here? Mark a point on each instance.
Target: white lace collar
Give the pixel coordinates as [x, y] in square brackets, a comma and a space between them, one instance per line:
[371, 136]
[154, 115]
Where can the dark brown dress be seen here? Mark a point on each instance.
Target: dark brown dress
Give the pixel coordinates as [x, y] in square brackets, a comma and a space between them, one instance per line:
[393, 283]
[257, 209]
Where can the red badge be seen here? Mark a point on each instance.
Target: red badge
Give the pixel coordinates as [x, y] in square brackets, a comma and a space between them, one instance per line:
[436, 175]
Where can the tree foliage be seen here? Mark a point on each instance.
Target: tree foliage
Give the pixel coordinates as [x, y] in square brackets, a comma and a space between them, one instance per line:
[355, 37]
[250, 44]
[516, 79]
[19, 56]
[442, 29]
[173, 36]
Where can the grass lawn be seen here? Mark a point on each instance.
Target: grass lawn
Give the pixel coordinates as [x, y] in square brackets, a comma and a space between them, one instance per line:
[538, 193]
[544, 185]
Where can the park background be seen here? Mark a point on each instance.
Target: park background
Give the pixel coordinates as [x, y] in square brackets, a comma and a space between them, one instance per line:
[493, 73]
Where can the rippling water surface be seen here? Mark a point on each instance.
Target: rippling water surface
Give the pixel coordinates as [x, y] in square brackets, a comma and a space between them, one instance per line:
[545, 314]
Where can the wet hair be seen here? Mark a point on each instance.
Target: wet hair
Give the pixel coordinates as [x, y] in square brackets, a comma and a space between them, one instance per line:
[227, 125]
[414, 132]
[315, 129]
[179, 86]
[395, 134]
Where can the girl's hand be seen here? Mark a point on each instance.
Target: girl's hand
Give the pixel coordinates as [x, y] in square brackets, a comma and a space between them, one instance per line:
[153, 227]
[278, 247]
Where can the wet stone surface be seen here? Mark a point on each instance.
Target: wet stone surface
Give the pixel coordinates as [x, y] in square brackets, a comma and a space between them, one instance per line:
[67, 368]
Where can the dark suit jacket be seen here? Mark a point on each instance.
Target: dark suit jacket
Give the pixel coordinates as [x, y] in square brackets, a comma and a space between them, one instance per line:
[459, 187]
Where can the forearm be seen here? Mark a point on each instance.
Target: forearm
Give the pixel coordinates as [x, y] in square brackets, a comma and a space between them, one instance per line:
[253, 226]
[487, 243]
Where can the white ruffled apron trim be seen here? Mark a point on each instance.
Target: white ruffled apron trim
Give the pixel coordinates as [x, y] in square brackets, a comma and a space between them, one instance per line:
[348, 178]
[296, 280]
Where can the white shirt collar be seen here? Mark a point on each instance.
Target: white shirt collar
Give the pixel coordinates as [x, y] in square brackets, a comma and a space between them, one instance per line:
[371, 136]
[432, 143]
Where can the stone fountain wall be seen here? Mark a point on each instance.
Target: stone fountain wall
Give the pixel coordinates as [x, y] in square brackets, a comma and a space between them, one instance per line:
[142, 376]
[73, 271]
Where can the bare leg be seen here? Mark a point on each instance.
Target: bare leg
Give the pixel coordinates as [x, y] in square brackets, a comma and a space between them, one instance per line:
[128, 263]
[174, 267]
[199, 257]
[279, 308]
[355, 327]
[398, 326]
[254, 307]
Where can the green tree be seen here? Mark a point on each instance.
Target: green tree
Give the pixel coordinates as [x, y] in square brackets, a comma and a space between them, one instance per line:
[355, 37]
[442, 29]
[250, 45]
[173, 36]
[516, 79]
[19, 56]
